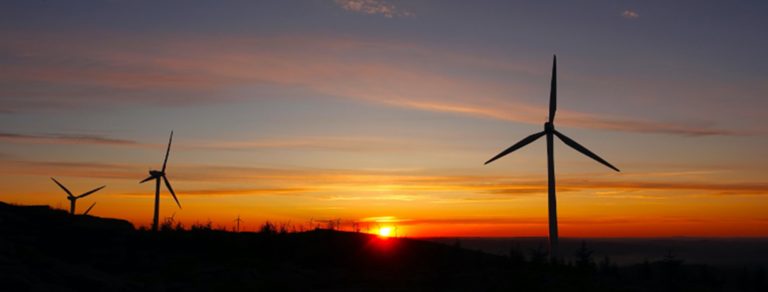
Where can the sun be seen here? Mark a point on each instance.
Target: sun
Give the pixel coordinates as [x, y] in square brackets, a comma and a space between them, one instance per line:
[385, 231]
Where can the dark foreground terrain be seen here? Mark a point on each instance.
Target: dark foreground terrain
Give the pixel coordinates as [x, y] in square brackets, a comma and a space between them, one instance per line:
[42, 249]
[721, 252]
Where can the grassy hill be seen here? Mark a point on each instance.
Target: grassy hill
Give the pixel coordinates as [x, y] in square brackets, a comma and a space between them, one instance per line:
[42, 249]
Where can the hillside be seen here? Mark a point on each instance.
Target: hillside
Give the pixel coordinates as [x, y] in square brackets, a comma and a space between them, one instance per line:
[42, 249]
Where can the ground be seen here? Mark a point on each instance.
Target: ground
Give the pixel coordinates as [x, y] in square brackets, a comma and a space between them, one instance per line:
[42, 249]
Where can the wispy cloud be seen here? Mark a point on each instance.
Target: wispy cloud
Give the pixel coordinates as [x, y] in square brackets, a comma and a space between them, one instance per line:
[325, 143]
[641, 126]
[200, 71]
[375, 185]
[63, 139]
[526, 114]
[237, 192]
[404, 198]
[734, 188]
[494, 220]
[382, 219]
[630, 14]
[380, 7]
[73, 169]
[347, 144]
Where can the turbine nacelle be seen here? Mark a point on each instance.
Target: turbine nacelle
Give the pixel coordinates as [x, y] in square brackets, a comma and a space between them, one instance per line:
[73, 199]
[549, 127]
[154, 174]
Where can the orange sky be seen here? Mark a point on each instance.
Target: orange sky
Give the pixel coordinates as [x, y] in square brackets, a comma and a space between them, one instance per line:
[384, 113]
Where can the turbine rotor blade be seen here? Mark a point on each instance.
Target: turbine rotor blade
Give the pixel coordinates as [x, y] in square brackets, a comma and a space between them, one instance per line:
[553, 91]
[167, 152]
[168, 185]
[518, 145]
[89, 208]
[91, 192]
[63, 187]
[583, 150]
[147, 179]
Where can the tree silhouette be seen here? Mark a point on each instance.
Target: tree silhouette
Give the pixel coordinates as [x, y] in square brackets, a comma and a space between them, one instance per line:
[268, 228]
[539, 255]
[584, 257]
[516, 257]
[672, 272]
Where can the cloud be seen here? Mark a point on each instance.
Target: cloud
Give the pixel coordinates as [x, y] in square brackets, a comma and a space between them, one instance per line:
[404, 198]
[346, 144]
[382, 185]
[236, 192]
[191, 70]
[382, 219]
[72, 169]
[63, 139]
[372, 7]
[525, 114]
[339, 143]
[640, 126]
[734, 188]
[630, 14]
[527, 220]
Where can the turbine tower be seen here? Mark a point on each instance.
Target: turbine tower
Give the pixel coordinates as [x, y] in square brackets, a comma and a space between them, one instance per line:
[73, 199]
[549, 131]
[158, 175]
[237, 223]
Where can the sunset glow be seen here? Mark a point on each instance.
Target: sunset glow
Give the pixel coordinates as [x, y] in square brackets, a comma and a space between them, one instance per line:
[310, 112]
[385, 232]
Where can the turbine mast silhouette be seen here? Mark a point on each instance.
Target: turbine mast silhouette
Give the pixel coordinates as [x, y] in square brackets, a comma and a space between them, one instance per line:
[73, 199]
[158, 175]
[549, 131]
[237, 223]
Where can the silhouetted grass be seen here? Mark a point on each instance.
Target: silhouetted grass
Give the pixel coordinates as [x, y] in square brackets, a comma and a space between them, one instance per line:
[48, 250]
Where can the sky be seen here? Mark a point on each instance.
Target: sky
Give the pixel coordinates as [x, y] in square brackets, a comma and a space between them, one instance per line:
[383, 112]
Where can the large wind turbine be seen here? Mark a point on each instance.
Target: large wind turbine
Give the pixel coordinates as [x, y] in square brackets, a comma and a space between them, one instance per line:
[73, 199]
[157, 175]
[549, 131]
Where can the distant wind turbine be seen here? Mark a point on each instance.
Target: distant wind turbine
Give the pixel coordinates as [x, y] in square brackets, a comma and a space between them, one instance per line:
[73, 199]
[237, 223]
[549, 131]
[157, 175]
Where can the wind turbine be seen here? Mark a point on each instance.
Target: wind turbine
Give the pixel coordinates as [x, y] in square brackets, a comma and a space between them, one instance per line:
[549, 131]
[73, 199]
[157, 175]
[237, 223]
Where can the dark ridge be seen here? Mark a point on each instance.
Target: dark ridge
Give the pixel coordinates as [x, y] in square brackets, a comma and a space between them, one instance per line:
[42, 249]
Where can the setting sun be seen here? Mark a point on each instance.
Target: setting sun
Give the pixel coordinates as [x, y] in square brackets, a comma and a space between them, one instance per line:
[385, 231]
